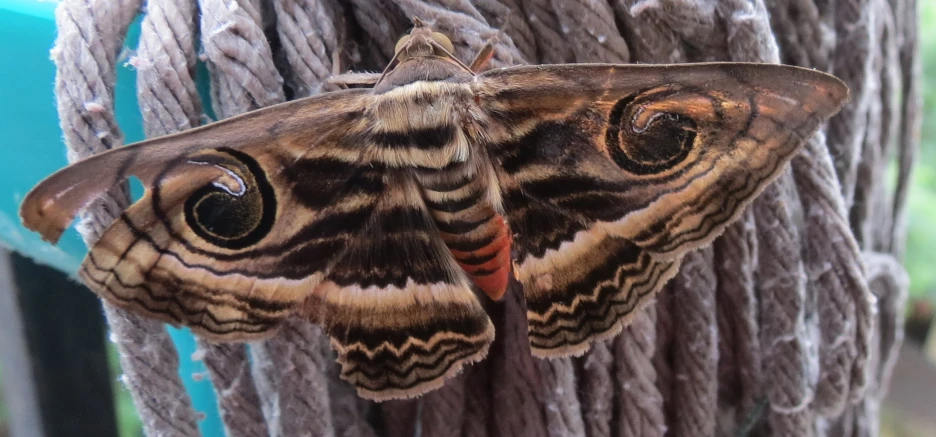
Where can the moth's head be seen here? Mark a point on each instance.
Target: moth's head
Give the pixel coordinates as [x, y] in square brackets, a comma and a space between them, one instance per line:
[423, 42]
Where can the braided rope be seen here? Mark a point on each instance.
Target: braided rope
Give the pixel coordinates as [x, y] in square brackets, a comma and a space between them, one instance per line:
[739, 348]
[597, 379]
[789, 309]
[90, 39]
[852, 62]
[515, 379]
[695, 350]
[289, 382]
[165, 61]
[908, 141]
[788, 361]
[640, 403]
[312, 34]
[437, 406]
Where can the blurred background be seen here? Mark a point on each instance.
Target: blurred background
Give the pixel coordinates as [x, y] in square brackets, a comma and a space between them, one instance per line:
[908, 404]
[909, 409]
[921, 238]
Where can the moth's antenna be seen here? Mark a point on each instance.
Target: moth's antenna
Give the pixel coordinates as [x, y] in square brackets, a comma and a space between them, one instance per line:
[417, 22]
[387, 69]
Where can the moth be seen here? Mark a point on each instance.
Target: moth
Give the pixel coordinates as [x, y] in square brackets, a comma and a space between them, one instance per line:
[389, 214]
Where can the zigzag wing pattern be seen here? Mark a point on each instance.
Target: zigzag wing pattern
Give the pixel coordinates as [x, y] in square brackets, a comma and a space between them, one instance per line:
[383, 214]
[610, 174]
[402, 314]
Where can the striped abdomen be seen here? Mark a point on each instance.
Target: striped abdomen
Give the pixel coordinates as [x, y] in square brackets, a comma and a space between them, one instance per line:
[474, 232]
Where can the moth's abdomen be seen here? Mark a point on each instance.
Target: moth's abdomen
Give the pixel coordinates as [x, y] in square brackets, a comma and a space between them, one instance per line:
[484, 255]
[475, 234]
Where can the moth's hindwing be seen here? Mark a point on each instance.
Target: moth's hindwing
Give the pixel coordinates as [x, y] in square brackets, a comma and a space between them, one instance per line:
[588, 291]
[402, 315]
[610, 174]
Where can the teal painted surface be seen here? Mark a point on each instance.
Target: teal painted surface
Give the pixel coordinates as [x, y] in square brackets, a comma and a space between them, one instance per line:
[195, 376]
[30, 139]
[31, 148]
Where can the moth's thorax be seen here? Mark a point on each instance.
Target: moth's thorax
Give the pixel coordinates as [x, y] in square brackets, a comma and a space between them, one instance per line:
[423, 68]
[423, 124]
[421, 104]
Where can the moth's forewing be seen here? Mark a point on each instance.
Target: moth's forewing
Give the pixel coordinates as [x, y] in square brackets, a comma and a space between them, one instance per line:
[610, 173]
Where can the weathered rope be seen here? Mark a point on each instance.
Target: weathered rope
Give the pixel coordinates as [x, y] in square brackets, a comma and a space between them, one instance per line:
[478, 410]
[637, 401]
[835, 278]
[312, 34]
[908, 139]
[787, 325]
[86, 52]
[788, 361]
[852, 61]
[597, 379]
[165, 62]
[785, 358]
[238, 401]
[437, 406]
[695, 352]
[515, 380]
[739, 348]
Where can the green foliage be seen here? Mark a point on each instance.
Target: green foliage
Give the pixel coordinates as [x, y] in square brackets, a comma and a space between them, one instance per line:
[921, 230]
[921, 242]
[928, 57]
[128, 422]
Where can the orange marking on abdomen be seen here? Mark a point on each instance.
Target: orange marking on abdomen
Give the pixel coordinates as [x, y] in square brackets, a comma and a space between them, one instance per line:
[489, 266]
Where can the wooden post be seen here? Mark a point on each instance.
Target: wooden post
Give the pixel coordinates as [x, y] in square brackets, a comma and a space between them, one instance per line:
[55, 374]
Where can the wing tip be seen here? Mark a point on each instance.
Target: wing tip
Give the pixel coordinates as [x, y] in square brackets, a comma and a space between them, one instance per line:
[39, 214]
[836, 91]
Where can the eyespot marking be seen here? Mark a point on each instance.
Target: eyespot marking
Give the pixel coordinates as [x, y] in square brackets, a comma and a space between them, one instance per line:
[645, 144]
[237, 210]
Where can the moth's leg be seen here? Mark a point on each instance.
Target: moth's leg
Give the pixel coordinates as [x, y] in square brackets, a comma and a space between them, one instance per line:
[482, 60]
[347, 80]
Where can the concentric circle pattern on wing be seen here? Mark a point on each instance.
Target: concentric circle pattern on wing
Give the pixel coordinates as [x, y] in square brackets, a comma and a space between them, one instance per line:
[643, 140]
[237, 210]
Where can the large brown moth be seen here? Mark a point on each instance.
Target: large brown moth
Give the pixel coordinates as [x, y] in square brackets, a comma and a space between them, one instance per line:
[386, 214]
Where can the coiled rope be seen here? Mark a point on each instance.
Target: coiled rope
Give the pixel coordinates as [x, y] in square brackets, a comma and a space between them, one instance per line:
[787, 325]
